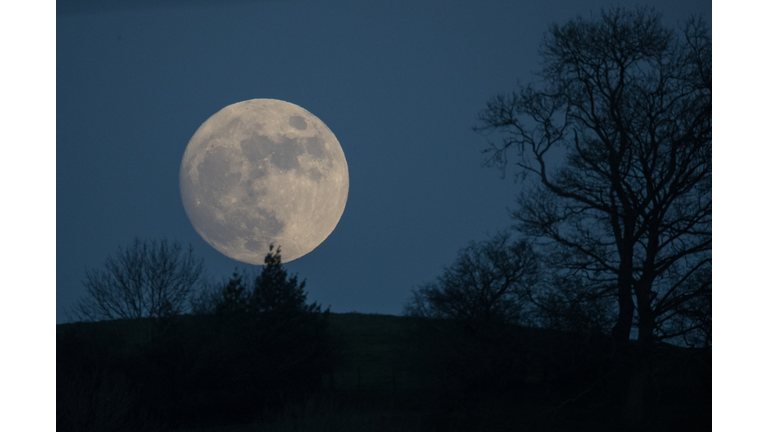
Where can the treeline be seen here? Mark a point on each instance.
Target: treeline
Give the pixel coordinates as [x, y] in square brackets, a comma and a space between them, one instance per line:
[479, 349]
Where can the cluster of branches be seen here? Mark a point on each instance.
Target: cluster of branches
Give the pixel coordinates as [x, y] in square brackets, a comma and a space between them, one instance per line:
[485, 284]
[626, 104]
[147, 279]
[501, 282]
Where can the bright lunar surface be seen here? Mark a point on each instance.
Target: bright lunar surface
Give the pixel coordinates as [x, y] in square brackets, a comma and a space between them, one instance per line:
[264, 171]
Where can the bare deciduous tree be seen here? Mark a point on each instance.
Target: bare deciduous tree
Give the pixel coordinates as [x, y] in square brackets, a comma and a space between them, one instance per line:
[145, 280]
[629, 104]
[486, 283]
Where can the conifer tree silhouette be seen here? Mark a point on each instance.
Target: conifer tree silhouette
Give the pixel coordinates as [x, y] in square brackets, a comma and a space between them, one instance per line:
[276, 293]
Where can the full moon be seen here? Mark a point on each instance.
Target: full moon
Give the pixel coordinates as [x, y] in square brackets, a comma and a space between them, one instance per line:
[263, 172]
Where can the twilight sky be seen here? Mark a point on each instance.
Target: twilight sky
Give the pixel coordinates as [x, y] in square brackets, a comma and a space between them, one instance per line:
[398, 82]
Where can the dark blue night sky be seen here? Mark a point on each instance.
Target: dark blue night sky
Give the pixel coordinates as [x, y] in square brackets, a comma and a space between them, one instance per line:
[398, 82]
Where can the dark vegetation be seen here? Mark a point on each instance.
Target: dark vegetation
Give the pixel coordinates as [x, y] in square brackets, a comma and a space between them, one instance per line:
[254, 355]
[532, 333]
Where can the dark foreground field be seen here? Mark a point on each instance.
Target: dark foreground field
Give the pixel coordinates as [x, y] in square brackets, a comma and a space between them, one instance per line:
[388, 374]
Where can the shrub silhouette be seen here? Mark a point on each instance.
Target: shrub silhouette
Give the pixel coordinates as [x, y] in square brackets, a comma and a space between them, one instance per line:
[147, 279]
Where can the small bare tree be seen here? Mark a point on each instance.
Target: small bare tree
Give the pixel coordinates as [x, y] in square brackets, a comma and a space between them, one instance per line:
[466, 321]
[486, 283]
[145, 280]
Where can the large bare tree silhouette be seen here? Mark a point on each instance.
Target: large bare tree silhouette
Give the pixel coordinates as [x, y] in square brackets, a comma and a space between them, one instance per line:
[627, 104]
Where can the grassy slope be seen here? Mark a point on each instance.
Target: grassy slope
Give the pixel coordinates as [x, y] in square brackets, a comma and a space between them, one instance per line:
[372, 356]
[370, 342]
[375, 371]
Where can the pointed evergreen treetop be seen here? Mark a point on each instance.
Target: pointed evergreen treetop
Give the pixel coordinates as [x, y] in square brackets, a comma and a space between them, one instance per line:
[276, 292]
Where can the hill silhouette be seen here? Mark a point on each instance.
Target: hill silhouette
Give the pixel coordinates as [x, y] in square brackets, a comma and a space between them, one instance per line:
[388, 373]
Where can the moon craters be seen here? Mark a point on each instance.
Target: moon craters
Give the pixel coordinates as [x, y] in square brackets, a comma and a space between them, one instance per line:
[219, 172]
[297, 122]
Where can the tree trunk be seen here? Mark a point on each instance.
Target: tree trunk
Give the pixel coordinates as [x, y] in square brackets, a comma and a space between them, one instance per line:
[646, 320]
[637, 405]
[623, 326]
